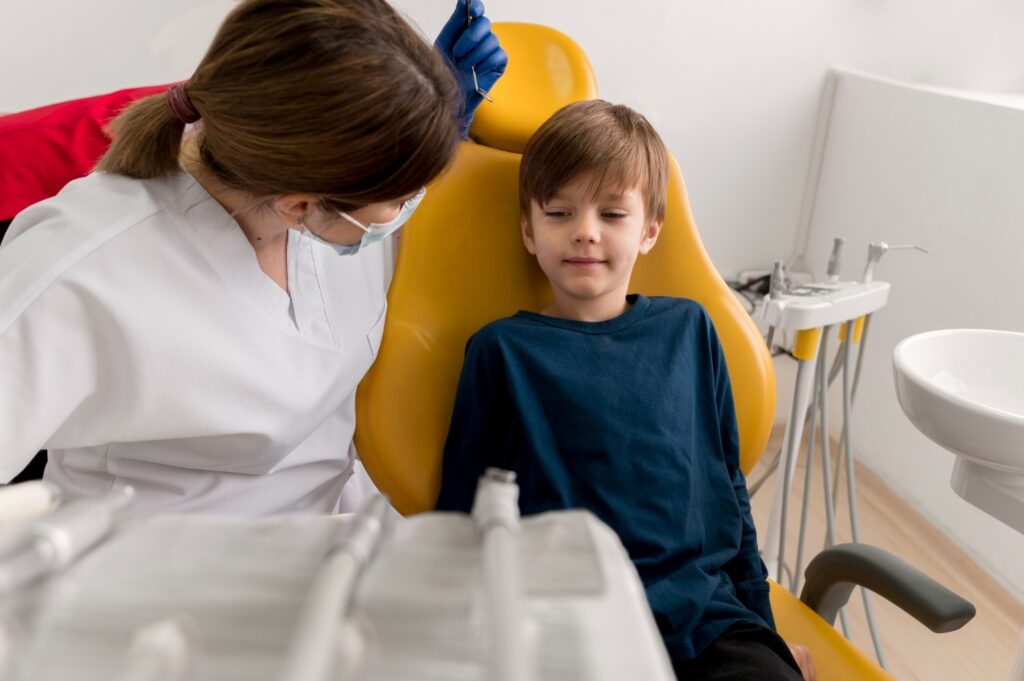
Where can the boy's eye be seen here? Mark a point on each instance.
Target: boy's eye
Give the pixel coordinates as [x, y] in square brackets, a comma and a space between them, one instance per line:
[613, 214]
[556, 213]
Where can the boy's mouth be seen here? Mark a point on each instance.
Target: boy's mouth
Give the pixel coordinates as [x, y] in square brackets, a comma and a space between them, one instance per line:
[584, 262]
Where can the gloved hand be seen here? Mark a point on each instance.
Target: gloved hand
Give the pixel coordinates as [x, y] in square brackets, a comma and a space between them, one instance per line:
[467, 46]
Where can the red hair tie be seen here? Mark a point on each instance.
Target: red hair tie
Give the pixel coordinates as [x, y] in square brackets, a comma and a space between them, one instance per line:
[180, 105]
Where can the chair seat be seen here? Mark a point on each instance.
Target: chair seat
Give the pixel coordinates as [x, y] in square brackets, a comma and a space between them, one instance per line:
[835, 657]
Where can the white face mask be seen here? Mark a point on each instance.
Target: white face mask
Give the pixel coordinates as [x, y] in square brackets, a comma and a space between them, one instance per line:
[373, 232]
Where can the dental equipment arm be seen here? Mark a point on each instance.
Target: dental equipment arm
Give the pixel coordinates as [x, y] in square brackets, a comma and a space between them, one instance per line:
[496, 512]
[834, 572]
[54, 542]
[313, 647]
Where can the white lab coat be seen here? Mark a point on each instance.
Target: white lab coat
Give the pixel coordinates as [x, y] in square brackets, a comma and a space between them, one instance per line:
[141, 344]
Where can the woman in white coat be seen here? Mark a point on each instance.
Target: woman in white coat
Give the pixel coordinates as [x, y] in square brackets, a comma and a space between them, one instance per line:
[193, 318]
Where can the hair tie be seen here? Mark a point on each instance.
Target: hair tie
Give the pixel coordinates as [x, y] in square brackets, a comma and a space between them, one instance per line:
[180, 105]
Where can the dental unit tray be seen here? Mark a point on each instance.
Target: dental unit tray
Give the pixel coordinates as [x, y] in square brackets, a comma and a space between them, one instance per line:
[819, 305]
[220, 598]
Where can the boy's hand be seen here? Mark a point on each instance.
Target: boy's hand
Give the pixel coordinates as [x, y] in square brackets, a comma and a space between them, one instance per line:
[804, 660]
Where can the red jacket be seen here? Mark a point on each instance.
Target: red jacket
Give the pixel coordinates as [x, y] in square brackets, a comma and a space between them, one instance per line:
[43, 149]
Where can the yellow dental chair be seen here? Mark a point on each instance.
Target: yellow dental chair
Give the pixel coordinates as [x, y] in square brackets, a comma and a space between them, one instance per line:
[462, 264]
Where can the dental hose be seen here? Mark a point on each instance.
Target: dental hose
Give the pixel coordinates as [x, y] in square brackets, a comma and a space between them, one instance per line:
[853, 397]
[496, 512]
[773, 464]
[830, 519]
[328, 601]
[794, 585]
[852, 494]
[784, 472]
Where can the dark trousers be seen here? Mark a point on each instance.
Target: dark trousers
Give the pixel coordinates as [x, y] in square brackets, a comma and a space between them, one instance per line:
[745, 652]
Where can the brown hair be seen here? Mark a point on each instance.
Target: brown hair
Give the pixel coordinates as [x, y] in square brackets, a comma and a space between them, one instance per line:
[339, 98]
[611, 142]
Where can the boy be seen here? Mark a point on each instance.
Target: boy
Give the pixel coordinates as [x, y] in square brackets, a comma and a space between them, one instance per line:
[617, 403]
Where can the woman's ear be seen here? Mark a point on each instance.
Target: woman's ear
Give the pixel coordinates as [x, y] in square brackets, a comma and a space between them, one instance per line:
[293, 208]
[650, 236]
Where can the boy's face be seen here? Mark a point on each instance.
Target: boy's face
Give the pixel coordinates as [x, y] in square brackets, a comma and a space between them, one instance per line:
[587, 246]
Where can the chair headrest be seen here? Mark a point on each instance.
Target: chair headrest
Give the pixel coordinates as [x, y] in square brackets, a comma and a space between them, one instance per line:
[546, 70]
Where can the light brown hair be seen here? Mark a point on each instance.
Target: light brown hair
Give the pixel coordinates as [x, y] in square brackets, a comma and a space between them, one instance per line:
[612, 143]
[339, 98]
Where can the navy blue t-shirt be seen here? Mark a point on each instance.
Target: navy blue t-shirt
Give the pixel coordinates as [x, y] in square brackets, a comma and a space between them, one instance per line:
[633, 419]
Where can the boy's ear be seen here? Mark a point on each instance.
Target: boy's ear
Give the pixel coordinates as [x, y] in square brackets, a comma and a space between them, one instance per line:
[527, 229]
[650, 236]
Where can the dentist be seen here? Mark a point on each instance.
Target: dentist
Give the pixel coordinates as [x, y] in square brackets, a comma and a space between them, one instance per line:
[193, 318]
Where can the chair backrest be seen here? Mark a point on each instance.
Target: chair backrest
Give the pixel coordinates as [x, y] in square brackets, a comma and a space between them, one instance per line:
[462, 264]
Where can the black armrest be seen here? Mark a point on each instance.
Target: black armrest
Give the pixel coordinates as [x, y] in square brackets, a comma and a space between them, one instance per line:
[833, 573]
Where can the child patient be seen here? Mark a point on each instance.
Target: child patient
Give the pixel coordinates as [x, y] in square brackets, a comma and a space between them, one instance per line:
[619, 403]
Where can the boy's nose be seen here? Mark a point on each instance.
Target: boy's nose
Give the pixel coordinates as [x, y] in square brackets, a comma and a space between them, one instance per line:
[587, 230]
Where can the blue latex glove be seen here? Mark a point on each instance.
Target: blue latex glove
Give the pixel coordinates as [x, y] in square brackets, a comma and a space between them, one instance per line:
[466, 46]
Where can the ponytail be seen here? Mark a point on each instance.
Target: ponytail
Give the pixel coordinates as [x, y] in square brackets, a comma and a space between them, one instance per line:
[146, 140]
[339, 98]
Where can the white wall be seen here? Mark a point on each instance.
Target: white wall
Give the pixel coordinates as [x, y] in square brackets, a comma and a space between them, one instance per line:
[943, 170]
[733, 85]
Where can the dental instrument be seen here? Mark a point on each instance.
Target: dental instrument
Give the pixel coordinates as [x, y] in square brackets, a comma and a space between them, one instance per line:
[496, 512]
[50, 544]
[875, 252]
[330, 597]
[776, 287]
[476, 83]
[27, 500]
[835, 260]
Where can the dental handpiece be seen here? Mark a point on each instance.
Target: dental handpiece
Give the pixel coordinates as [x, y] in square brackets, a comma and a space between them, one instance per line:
[835, 260]
[52, 543]
[777, 284]
[875, 252]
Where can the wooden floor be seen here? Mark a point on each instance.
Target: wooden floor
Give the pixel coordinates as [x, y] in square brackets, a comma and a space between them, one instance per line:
[984, 650]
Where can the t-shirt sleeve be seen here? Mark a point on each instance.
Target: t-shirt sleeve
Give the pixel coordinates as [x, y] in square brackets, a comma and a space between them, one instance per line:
[478, 427]
[747, 570]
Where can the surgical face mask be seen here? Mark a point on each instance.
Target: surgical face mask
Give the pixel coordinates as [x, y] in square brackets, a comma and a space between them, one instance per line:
[373, 232]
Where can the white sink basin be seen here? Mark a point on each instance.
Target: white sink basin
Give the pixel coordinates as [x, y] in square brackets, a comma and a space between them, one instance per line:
[964, 389]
